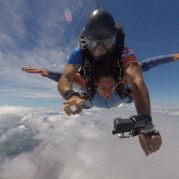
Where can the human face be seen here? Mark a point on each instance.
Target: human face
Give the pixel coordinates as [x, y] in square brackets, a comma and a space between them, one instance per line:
[106, 87]
[99, 48]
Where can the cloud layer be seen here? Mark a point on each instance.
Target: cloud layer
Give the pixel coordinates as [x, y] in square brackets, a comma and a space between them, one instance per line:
[84, 147]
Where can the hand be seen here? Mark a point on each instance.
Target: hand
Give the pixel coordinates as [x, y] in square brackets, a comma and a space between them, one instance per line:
[44, 72]
[176, 56]
[76, 101]
[150, 143]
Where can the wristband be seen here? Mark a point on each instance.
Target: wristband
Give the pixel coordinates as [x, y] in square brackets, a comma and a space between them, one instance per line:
[69, 93]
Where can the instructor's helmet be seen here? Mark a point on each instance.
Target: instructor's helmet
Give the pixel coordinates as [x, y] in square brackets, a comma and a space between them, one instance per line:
[100, 33]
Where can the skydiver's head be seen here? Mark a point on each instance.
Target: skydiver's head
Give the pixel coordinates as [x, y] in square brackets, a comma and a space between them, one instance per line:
[104, 77]
[106, 86]
[100, 33]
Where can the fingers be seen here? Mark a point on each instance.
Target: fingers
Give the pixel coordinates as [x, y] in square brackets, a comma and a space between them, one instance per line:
[68, 110]
[75, 101]
[157, 141]
[154, 143]
[78, 110]
[144, 148]
[150, 144]
[25, 68]
[176, 56]
[30, 69]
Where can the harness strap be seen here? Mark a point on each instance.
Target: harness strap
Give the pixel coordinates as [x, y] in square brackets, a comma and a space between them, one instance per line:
[121, 90]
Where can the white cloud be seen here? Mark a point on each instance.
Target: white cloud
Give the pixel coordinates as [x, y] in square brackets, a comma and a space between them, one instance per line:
[84, 147]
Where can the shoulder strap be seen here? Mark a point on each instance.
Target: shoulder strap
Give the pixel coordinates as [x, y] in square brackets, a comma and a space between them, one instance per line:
[86, 68]
[120, 38]
[120, 43]
[86, 57]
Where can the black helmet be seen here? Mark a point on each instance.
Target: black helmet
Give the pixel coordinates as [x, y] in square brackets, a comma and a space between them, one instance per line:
[100, 25]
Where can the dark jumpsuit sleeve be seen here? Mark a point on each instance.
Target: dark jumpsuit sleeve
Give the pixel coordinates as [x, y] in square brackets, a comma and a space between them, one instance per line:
[152, 62]
[55, 76]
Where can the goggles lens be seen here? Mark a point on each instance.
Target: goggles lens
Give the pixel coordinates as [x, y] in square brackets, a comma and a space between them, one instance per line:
[104, 89]
[105, 42]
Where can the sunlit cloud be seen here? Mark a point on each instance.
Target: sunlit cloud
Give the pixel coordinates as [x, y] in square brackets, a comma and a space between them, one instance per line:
[83, 142]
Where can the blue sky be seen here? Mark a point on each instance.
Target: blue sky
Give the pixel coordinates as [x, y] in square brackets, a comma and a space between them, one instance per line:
[37, 33]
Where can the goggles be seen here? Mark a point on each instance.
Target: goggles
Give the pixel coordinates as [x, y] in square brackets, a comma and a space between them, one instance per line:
[104, 89]
[104, 43]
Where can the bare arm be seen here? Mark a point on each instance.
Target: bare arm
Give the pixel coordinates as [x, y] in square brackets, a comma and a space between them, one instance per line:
[65, 82]
[149, 143]
[140, 91]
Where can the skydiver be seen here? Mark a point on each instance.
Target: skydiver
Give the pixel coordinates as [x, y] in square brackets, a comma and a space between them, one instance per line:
[103, 44]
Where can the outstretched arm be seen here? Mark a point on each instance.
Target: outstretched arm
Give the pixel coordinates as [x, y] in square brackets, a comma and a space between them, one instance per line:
[43, 72]
[78, 80]
[152, 62]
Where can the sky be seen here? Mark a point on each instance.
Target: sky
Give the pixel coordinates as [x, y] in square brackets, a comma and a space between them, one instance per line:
[43, 33]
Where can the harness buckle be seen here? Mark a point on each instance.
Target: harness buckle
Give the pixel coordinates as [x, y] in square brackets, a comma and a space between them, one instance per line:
[87, 69]
[121, 90]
